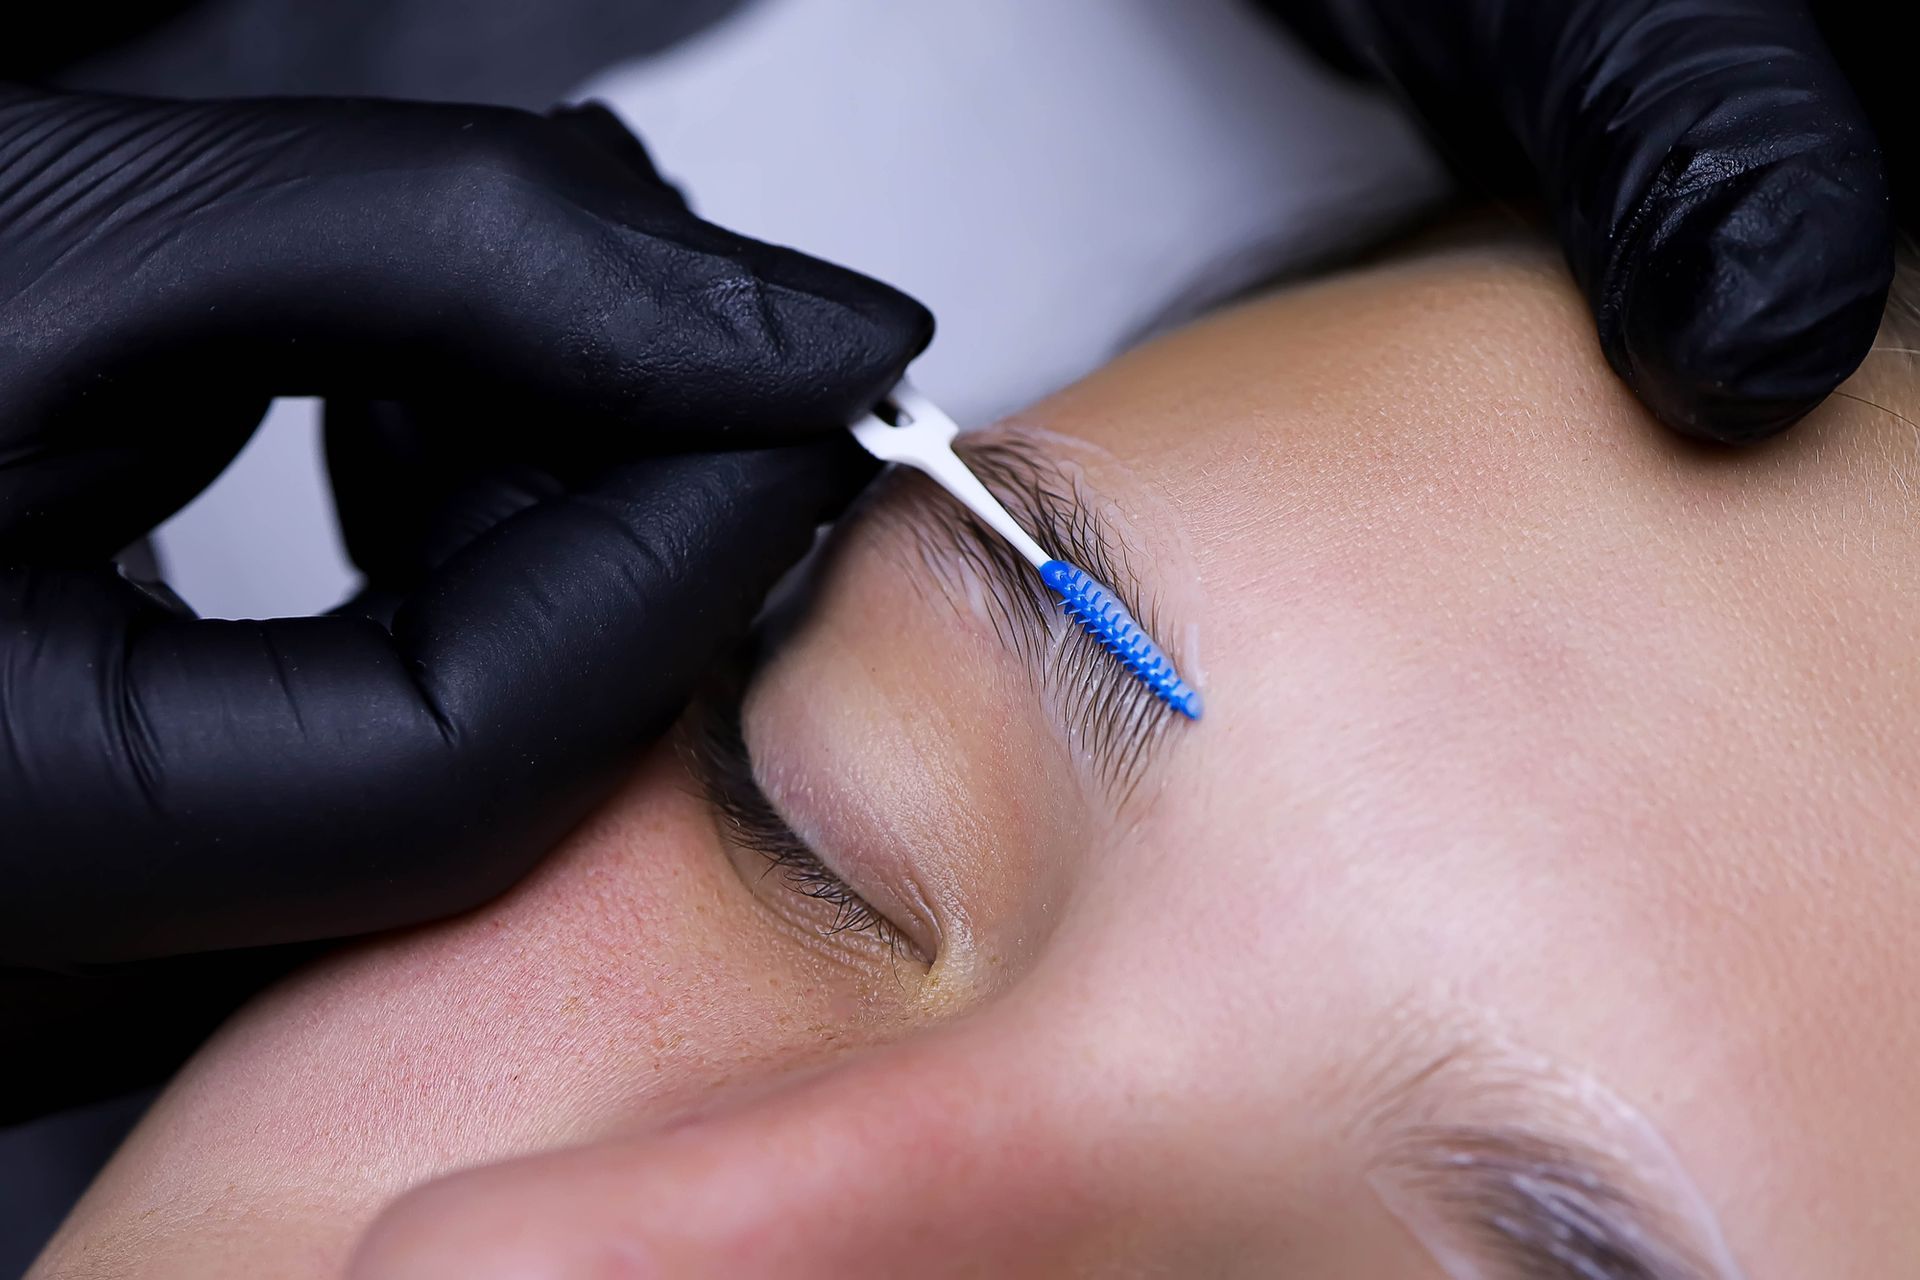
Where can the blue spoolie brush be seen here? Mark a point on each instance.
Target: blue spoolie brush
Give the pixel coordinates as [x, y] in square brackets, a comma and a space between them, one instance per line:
[910, 430]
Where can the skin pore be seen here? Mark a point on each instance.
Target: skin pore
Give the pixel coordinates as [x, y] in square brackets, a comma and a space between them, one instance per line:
[1537, 892]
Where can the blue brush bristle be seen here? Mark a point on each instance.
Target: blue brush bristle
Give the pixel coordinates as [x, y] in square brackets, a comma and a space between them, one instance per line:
[1104, 618]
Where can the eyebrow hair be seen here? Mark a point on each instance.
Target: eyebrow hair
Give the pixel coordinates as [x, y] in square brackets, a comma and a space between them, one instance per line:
[1520, 1198]
[1533, 1207]
[1116, 719]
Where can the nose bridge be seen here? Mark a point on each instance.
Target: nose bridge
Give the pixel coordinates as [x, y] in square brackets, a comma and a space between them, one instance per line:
[961, 1128]
[964, 1151]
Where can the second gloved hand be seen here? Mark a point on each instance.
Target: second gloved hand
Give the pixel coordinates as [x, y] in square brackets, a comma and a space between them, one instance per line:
[1711, 171]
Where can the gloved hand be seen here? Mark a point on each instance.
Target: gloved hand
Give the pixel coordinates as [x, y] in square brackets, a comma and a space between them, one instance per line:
[553, 319]
[1711, 171]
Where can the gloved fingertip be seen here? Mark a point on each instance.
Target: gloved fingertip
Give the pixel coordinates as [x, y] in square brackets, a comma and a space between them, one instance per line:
[829, 341]
[596, 123]
[845, 470]
[811, 482]
[1744, 302]
[897, 328]
[1702, 411]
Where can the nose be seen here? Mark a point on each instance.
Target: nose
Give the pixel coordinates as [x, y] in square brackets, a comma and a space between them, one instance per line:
[936, 1157]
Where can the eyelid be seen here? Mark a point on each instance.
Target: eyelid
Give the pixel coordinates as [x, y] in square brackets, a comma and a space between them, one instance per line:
[721, 761]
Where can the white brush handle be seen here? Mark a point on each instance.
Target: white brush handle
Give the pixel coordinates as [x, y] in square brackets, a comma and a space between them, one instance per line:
[923, 440]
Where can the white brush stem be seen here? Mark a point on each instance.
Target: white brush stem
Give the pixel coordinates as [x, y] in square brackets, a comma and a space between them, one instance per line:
[923, 439]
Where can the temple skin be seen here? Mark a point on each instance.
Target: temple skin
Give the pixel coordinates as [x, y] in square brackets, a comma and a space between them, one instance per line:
[1525, 721]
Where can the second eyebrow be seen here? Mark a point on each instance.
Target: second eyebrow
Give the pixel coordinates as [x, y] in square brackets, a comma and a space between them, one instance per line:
[1119, 724]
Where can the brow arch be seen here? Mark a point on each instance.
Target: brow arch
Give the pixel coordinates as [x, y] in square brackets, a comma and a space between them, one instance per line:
[1115, 719]
[1504, 1163]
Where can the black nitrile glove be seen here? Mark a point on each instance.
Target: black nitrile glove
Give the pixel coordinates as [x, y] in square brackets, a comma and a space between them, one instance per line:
[1710, 169]
[552, 316]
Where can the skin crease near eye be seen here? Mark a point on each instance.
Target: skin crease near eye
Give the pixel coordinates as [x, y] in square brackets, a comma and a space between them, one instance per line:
[1536, 898]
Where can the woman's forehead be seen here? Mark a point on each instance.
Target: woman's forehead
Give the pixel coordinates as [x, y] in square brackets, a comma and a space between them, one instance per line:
[1477, 641]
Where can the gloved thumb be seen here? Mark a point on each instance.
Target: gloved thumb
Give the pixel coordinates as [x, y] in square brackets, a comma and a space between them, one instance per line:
[1713, 177]
[1723, 203]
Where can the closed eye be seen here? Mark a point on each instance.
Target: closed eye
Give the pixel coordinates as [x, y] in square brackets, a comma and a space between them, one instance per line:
[718, 752]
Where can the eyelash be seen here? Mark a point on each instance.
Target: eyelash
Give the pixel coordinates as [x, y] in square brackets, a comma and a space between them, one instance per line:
[724, 766]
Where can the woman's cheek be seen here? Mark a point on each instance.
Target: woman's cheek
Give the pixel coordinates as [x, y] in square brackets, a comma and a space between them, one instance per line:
[635, 973]
[631, 978]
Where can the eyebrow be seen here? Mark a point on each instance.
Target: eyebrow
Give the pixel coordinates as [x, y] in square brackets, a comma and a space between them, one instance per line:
[1524, 1204]
[1114, 718]
[1521, 1197]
